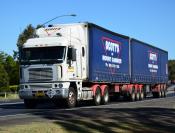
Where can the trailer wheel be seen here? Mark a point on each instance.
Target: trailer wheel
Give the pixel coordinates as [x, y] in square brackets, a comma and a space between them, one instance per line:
[71, 100]
[30, 103]
[105, 98]
[132, 96]
[97, 97]
[141, 95]
[138, 96]
[164, 93]
[159, 94]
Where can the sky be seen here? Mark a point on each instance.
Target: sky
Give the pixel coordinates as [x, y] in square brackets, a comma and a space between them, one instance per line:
[151, 21]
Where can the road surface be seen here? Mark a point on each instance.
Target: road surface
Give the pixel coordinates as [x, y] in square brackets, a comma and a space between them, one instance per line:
[155, 115]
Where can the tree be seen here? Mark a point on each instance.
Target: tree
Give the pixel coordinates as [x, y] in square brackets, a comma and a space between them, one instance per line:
[4, 80]
[3, 57]
[171, 68]
[12, 68]
[29, 32]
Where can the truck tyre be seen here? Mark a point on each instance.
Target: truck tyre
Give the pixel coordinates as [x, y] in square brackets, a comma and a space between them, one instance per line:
[30, 103]
[97, 97]
[141, 96]
[132, 96]
[72, 98]
[105, 98]
[138, 96]
[164, 93]
[159, 94]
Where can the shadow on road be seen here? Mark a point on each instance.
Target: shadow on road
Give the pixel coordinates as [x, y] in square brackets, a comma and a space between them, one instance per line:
[111, 120]
[106, 119]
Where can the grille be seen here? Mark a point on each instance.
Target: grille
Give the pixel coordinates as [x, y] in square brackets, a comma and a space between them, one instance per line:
[40, 74]
[43, 86]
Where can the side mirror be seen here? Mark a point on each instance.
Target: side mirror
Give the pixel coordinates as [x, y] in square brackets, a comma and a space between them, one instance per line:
[71, 56]
[74, 57]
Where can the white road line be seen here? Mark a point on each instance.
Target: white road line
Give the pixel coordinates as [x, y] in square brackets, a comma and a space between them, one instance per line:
[5, 116]
[11, 103]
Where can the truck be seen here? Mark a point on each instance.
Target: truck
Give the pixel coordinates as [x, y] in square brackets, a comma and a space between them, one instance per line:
[68, 63]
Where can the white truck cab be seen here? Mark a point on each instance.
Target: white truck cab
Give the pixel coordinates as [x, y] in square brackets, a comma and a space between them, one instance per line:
[54, 64]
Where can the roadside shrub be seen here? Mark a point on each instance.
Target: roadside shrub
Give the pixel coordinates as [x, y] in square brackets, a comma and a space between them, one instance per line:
[14, 88]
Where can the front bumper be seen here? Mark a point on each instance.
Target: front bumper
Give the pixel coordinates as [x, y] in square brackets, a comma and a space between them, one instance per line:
[43, 93]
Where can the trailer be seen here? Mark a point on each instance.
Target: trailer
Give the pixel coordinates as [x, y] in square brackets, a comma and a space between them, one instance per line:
[68, 63]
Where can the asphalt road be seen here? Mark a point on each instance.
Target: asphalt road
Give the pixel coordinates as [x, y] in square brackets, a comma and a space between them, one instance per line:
[159, 114]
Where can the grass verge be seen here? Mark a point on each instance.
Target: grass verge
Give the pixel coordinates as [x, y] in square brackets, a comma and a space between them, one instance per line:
[35, 127]
[9, 96]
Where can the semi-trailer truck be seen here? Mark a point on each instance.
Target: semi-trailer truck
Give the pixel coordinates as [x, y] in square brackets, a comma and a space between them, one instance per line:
[68, 63]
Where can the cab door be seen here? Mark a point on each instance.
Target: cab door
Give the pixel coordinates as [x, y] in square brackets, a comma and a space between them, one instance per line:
[74, 64]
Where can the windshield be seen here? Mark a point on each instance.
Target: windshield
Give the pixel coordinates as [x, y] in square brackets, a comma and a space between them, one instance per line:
[43, 54]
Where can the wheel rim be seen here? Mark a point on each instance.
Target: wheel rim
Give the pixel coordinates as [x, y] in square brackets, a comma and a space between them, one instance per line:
[71, 97]
[106, 96]
[138, 96]
[98, 97]
[141, 96]
[160, 94]
[133, 96]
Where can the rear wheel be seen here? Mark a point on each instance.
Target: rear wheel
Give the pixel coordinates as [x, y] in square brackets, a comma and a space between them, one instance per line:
[138, 96]
[159, 94]
[105, 98]
[72, 98]
[163, 93]
[132, 96]
[141, 96]
[97, 97]
[30, 103]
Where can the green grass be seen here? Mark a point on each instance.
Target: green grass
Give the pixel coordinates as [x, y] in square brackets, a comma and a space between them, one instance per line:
[78, 126]
[9, 96]
[34, 128]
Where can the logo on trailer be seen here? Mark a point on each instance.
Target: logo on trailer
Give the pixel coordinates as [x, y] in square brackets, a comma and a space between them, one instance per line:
[152, 56]
[152, 65]
[111, 56]
[111, 45]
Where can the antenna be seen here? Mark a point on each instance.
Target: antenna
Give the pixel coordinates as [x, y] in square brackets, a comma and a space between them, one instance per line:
[68, 15]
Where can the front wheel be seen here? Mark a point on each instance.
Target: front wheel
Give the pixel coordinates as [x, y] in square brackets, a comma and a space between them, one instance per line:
[72, 98]
[30, 103]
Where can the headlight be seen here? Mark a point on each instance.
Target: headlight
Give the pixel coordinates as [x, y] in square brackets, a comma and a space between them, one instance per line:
[21, 87]
[60, 85]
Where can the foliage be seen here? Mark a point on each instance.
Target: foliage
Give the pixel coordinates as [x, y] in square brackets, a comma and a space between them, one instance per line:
[14, 88]
[4, 78]
[29, 32]
[12, 68]
[9, 71]
[171, 68]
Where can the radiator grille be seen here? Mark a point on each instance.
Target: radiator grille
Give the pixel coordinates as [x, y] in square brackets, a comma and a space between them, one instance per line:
[40, 74]
[43, 86]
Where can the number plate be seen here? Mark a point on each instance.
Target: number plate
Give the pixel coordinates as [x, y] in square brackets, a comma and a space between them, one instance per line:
[39, 94]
